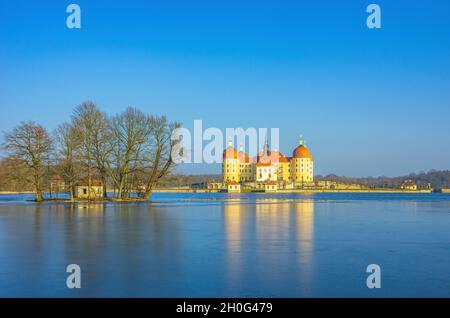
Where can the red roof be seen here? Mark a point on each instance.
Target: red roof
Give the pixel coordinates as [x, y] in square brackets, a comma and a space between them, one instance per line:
[302, 152]
[94, 182]
[243, 157]
[57, 179]
[230, 153]
[233, 183]
[408, 183]
[273, 157]
[265, 159]
[277, 155]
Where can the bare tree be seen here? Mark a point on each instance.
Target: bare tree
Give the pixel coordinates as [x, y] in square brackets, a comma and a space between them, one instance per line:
[30, 143]
[158, 155]
[129, 134]
[88, 122]
[67, 143]
[101, 148]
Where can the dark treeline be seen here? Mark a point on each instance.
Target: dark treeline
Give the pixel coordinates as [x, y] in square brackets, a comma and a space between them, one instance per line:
[185, 180]
[130, 151]
[437, 179]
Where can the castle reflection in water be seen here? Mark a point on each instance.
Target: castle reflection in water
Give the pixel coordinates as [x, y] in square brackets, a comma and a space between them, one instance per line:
[281, 230]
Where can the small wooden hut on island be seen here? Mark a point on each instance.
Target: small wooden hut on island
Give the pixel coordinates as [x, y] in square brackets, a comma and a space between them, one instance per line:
[82, 190]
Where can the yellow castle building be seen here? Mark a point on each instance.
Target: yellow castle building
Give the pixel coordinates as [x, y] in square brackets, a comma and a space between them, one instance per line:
[268, 166]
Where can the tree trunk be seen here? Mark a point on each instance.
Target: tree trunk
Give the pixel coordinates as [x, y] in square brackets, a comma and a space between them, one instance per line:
[89, 179]
[39, 197]
[37, 186]
[72, 192]
[105, 193]
[148, 193]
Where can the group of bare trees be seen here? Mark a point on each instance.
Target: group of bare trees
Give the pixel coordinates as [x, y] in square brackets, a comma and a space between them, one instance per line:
[129, 152]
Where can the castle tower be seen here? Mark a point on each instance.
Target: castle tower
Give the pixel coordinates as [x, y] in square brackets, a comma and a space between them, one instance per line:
[302, 165]
[230, 164]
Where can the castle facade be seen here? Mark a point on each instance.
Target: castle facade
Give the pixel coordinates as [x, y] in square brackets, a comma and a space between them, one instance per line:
[268, 166]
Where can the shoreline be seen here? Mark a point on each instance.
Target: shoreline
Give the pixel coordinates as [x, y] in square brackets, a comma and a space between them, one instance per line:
[296, 191]
[243, 192]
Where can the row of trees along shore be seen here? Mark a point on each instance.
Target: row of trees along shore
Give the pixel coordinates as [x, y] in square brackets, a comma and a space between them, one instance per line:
[130, 151]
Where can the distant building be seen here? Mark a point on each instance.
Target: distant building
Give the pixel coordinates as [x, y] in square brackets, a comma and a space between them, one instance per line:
[408, 185]
[333, 185]
[234, 186]
[216, 186]
[82, 190]
[57, 184]
[270, 186]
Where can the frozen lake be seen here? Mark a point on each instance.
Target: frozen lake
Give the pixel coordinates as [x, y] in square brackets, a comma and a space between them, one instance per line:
[220, 245]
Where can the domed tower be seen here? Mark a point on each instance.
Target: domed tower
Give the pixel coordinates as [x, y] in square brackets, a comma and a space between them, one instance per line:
[302, 164]
[230, 164]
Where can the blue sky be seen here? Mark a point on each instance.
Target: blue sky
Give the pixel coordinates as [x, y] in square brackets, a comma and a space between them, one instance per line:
[369, 102]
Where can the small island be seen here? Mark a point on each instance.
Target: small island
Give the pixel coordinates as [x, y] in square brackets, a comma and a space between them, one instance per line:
[130, 151]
